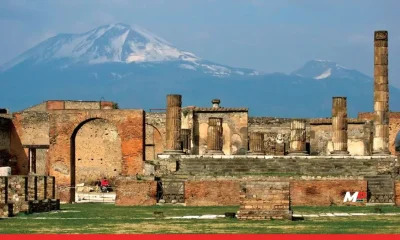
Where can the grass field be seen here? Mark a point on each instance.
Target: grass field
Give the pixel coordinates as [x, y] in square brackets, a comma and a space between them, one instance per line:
[107, 218]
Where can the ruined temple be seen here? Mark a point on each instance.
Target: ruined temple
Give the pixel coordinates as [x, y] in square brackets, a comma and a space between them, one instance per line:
[210, 155]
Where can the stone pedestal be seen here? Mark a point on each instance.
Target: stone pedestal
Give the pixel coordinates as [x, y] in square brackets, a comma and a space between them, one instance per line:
[256, 143]
[214, 136]
[298, 137]
[339, 126]
[380, 144]
[173, 125]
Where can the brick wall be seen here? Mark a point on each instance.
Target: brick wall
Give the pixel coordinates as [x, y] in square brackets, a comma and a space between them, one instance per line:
[324, 192]
[97, 152]
[397, 193]
[212, 193]
[131, 192]
[66, 123]
[264, 200]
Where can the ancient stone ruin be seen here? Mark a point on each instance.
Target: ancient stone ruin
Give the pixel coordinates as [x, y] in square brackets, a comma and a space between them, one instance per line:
[203, 156]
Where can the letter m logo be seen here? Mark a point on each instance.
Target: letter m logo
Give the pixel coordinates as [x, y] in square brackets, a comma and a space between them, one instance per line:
[350, 198]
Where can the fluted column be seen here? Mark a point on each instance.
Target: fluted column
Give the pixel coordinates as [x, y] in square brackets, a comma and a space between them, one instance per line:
[185, 135]
[214, 136]
[298, 137]
[173, 124]
[256, 143]
[339, 126]
[380, 144]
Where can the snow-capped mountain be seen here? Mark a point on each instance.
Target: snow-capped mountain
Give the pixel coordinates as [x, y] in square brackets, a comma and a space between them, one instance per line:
[138, 69]
[324, 69]
[117, 43]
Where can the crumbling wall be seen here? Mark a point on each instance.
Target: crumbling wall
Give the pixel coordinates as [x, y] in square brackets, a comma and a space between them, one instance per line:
[397, 193]
[359, 137]
[155, 134]
[132, 192]
[212, 193]
[276, 133]
[65, 123]
[234, 128]
[324, 192]
[98, 152]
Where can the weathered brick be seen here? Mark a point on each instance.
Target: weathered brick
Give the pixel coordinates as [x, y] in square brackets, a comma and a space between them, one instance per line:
[212, 193]
[131, 192]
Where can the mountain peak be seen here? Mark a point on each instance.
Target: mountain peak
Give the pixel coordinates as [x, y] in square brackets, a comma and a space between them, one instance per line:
[324, 69]
[108, 43]
[117, 43]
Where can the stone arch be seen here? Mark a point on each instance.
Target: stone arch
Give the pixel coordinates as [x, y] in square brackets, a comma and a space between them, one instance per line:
[65, 124]
[83, 170]
[97, 152]
[154, 142]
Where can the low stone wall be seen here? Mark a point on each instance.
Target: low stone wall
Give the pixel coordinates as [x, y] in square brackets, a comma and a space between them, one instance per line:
[132, 192]
[397, 193]
[226, 192]
[212, 193]
[19, 189]
[324, 192]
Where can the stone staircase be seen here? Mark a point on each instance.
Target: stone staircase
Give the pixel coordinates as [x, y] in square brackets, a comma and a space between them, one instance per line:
[278, 167]
[380, 189]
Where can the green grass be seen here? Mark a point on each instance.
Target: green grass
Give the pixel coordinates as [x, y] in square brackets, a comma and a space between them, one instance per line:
[107, 218]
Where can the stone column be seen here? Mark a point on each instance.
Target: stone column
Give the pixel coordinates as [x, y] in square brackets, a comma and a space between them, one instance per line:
[173, 125]
[214, 136]
[256, 143]
[185, 134]
[339, 126]
[298, 137]
[380, 144]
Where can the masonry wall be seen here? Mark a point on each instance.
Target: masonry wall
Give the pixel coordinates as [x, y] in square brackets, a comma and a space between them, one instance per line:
[98, 152]
[29, 128]
[131, 192]
[65, 123]
[276, 131]
[155, 134]
[212, 193]
[359, 137]
[397, 193]
[235, 132]
[18, 189]
[394, 127]
[324, 192]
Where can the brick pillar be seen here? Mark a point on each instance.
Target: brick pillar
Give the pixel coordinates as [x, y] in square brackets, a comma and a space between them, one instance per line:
[173, 125]
[339, 126]
[214, 136]
[185, 134]
[298, 137]
[256, 143]
[380, 144]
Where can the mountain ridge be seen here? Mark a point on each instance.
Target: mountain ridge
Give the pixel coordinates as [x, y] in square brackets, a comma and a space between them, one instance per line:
[93, 68]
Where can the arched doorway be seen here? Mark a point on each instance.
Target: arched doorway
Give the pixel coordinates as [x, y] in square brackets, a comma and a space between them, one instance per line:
[154, 142]
[95, 153]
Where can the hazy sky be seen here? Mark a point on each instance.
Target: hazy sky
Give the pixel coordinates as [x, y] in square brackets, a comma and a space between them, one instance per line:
[271, 36]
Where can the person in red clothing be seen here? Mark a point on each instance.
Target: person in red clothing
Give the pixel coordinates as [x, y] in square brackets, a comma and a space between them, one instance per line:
[105, 185]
